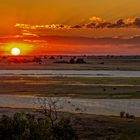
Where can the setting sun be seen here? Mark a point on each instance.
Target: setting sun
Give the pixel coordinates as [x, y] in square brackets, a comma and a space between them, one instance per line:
[15, 51]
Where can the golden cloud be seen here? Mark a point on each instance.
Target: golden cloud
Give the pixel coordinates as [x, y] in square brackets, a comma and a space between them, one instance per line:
[52, 26]
[96, 19]
[94, 22]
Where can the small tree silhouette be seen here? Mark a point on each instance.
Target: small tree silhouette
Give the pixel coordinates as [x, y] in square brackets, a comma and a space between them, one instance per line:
[49, 107]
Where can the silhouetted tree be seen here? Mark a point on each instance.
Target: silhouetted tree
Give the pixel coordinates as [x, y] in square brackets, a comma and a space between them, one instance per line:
[80, 61]
[52, 58]
[72, 61]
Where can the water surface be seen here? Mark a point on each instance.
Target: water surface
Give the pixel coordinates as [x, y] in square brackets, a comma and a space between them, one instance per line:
[91, 106]
[73, 73]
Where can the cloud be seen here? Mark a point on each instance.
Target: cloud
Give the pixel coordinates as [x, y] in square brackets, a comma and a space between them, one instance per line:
[96, 19]
[137, 22]
[129, 21]
[28, 33]
[33, 27]
[132, 22]
[93, 22]
[77, 26]
[121, 23]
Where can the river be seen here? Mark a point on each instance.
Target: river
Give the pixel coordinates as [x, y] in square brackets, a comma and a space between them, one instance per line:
[90, 106]
[73, 73]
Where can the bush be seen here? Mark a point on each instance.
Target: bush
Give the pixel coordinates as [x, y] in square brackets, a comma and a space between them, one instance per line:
[26, 127]
[122, 114]
[80, 61]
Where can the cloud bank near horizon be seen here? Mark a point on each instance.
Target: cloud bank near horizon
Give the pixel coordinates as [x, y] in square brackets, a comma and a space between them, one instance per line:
[92, 23]
[58, 45]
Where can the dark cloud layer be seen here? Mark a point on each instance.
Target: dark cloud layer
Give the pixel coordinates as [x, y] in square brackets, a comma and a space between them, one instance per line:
[121, 23]
[75, 40]
[92, 23]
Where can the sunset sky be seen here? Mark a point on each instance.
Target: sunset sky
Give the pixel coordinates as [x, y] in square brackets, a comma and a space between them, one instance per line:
[94, 27]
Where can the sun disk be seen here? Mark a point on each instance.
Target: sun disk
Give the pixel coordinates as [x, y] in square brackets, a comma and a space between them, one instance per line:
[15, 51]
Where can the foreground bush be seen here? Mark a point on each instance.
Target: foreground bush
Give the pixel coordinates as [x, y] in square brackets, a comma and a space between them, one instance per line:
[26, 127]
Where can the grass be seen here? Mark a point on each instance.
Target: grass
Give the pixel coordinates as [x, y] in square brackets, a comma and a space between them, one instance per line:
[79, 87]
[107, 128]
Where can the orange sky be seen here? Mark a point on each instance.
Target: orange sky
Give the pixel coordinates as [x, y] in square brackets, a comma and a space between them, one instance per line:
[74, 18]
[70, 12]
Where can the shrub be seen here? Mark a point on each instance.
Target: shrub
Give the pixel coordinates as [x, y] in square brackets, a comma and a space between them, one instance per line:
[122, 114]
[26, 127]
[80, 61]
[72, 61]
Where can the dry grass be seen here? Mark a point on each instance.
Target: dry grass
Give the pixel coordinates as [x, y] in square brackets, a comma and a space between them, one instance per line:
[71, 86]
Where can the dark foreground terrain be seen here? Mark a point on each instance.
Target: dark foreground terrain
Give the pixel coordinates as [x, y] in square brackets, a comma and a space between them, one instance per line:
[93, 127]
